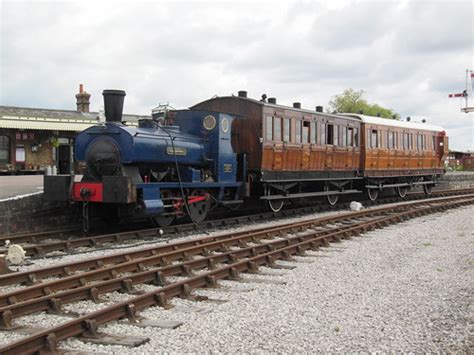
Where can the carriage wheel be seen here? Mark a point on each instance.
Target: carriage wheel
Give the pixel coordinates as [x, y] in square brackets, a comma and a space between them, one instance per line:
[274, 205]
[165, 220]
[373, 194]
[332, 199]
[428, 189]
[198, 210]
[402, 191]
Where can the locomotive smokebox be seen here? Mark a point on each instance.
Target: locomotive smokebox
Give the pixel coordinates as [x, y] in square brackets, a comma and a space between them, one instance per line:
[113, 105]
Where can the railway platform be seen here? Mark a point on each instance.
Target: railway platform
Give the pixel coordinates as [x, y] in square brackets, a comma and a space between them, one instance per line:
[19, 185]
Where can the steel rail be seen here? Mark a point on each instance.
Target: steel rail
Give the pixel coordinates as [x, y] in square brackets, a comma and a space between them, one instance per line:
[32, 276]
[67, 244]
[48, 339]
[80, 280]
[53, 301]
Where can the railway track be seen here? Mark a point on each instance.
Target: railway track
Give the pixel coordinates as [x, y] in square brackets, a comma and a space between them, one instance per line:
[198, 263]
[67, 240]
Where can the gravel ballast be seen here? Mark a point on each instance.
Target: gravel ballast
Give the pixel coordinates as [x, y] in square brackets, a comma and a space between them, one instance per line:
[405, 288]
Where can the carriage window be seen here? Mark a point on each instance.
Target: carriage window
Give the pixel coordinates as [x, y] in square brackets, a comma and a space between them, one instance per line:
[433, 148]
[395, 140]
[405, 141]
[323, 133]
[306, 131]
[313, 132]
[418, 142]
[277, 129]
[286, 130]
[374, 139]
[298, 131]
[343, 136]
[350, 137]
[330, 134]
[269, 128]
[336, 135]
[356, 137]
[391, 138]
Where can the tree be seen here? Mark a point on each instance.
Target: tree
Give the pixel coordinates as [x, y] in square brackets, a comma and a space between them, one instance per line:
[352, 101]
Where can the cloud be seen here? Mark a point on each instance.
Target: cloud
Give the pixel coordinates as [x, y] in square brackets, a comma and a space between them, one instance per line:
[407, 55]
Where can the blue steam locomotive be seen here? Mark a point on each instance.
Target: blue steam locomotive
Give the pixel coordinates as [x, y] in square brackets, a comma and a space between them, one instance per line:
[155, 170]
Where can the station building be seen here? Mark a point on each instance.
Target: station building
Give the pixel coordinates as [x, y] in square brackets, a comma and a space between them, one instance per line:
[461, 160]
[41, 141]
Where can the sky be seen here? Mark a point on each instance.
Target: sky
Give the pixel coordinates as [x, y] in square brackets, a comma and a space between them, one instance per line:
[406, 55]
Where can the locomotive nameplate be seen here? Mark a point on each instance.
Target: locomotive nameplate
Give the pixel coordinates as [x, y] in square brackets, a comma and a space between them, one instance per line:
[176, 151]
[227, 168]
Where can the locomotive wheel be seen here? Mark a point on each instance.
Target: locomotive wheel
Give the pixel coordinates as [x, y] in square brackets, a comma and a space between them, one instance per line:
[373, 194]
[198, 210]
[402, 191]
[165, 220]
[428, 189]
[332, 199]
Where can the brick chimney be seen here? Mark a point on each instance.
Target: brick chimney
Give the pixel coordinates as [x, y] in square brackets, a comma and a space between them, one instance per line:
[82, 99]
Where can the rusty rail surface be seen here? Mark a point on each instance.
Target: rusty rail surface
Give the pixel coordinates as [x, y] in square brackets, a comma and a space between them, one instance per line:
[66, 242]
[262, 254]
[32, 276]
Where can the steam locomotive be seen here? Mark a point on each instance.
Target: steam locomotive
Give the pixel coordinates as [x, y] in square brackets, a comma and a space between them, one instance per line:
[228, 150]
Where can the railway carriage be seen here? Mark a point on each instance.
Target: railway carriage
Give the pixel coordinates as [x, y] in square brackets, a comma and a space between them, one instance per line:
[294, 154]
[399, 155]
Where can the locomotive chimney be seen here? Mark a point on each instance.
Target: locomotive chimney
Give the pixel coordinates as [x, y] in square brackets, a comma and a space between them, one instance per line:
[113, 105]
[242, 93]
[297, 104]
[319, 109]
[272, 100]
[82, 100]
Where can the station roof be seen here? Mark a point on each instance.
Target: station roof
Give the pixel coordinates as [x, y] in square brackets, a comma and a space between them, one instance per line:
[52, 120]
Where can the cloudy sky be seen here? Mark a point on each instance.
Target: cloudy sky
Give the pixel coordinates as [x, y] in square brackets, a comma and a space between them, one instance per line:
[405, 55]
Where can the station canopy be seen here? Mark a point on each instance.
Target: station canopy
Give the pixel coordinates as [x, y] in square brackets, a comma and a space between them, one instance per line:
[52, 120]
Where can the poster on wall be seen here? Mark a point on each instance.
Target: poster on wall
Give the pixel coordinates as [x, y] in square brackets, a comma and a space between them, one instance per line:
[20, 153]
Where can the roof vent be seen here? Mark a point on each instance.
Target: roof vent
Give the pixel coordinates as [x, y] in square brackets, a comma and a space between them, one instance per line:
[361, 112]
[319, 109]
[242, 93]
[297, 104]
[423, 121]
[408, 119]
[379, 114]
[272, 100]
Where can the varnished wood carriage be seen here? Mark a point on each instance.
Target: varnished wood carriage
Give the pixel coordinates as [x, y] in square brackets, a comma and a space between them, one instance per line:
[291, 153]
